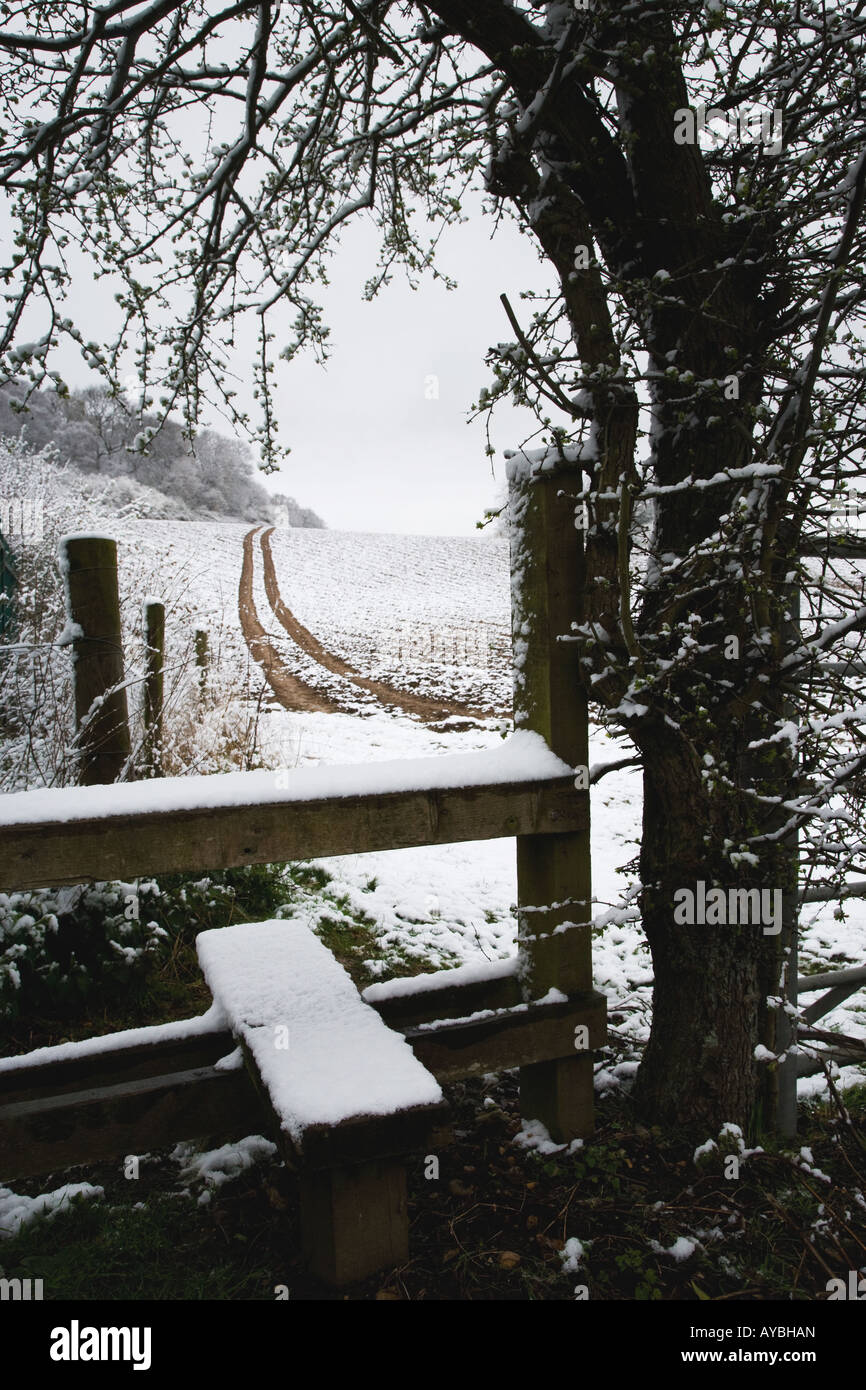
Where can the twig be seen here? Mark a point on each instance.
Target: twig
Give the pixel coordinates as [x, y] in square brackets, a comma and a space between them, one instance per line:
[845, 1113]
[562, 401]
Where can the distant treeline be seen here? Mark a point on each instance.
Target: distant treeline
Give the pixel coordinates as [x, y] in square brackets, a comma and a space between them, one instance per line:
[98, 433]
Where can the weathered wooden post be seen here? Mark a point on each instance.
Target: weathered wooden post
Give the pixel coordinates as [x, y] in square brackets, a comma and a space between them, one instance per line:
[8, 579]
[201, 658]
[154, 637]
[554, 892]
[89, 565]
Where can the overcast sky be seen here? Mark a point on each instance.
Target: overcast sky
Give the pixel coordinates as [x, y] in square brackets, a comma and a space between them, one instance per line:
[373, 447]
[371, 450]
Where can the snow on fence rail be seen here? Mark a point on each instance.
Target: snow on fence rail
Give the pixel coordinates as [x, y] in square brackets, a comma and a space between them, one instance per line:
[69, 835]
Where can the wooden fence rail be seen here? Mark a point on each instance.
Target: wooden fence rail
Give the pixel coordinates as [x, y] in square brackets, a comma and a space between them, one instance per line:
[99, 1104]
[248, 829]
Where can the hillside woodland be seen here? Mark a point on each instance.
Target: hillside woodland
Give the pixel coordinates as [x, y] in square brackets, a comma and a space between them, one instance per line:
[97, 433]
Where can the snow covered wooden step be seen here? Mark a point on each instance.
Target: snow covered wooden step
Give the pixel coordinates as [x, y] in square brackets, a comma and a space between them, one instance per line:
[323, 1054]
[347, 1092]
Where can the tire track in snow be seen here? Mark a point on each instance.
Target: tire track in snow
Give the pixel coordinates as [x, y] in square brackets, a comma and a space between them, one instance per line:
[291, 692]
[427, 709]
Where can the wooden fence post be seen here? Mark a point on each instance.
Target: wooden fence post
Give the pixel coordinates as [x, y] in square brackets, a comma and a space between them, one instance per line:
[201, 658]
[154, 636]
[90, 570]
[554, 891]
[8, 579]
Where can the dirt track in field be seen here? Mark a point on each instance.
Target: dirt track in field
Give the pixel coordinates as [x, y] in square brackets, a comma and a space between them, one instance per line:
[430, 710]
[291, 692]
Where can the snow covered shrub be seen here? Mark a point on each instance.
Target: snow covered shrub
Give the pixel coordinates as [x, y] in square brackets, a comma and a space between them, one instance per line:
[64, 951]
[65, 946]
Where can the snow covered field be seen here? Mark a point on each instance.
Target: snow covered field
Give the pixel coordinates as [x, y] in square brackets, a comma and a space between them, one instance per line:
[423, 612]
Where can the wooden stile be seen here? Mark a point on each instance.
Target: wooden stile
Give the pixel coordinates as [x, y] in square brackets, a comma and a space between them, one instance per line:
[545, 1019]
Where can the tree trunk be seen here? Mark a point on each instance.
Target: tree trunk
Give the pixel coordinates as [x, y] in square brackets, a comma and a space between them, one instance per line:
[713, 980]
